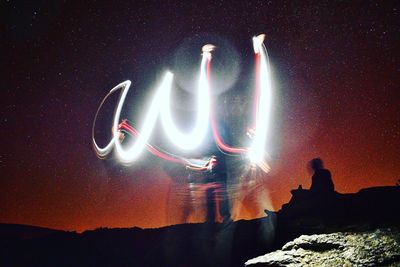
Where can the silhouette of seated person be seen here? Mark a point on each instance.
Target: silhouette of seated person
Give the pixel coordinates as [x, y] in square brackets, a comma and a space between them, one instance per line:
[318, 199]
[321, 181]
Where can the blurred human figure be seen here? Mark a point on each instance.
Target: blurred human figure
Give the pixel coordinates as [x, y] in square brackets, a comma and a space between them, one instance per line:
[321, 181]
[219, 176]
[216, 196]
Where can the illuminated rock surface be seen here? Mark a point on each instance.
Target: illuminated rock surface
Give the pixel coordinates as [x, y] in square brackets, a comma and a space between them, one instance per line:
[380, 247]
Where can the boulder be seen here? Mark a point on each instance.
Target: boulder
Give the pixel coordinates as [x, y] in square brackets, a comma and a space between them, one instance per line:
[379, 247]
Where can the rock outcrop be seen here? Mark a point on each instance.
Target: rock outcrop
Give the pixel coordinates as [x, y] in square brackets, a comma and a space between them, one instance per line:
[307, 213]
[373, 248]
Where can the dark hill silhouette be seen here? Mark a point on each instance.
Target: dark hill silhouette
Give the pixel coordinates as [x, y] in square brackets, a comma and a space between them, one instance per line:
[178, 245]
[19, 231]
[206, 244]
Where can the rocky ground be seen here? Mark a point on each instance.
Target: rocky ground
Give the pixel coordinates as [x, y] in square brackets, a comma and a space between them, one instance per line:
[380, 247]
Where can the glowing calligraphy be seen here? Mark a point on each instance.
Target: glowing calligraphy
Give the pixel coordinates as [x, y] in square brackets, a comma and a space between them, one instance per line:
[160, 108]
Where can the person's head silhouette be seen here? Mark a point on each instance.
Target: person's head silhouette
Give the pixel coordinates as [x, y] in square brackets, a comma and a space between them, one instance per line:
[316, 164]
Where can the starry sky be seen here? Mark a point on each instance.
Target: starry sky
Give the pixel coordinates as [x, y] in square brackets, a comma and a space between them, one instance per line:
[336, 76]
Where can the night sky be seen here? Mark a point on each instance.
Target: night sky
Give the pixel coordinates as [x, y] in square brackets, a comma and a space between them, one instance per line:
[336, 68]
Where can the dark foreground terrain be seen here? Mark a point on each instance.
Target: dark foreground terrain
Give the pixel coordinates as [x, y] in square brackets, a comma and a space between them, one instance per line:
[230, 244]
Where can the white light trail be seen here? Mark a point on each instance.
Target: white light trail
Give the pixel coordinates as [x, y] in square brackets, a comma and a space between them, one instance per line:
[104, 151]
[263, 103]
[190, 141]
[130, 154]
[160, 105]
